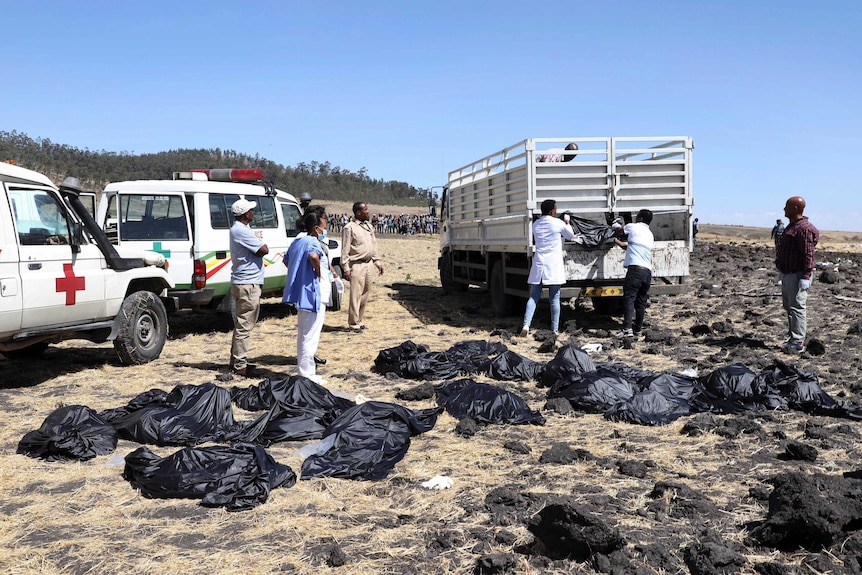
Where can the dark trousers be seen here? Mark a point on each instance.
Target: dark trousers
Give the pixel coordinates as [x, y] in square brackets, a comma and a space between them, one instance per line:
[635, 296]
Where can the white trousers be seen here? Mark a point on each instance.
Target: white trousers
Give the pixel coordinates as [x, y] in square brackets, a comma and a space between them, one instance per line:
[309, 325]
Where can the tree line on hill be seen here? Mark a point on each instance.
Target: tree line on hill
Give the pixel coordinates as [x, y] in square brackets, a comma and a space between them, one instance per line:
[95, 169]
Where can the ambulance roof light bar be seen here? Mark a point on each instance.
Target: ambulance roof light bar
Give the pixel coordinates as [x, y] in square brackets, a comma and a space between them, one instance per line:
[222, 175]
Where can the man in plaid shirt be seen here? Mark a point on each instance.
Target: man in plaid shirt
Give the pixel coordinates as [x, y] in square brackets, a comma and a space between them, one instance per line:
[795, 262]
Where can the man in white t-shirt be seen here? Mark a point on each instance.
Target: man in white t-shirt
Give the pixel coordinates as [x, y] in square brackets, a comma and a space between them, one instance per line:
[638, 264]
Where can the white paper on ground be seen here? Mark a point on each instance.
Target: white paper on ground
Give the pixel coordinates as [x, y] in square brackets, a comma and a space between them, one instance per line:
[438, 482]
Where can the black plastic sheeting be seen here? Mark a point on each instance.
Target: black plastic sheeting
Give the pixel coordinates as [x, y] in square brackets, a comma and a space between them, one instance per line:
[298, 410]
[593, 391]
[623, 393]
[188, 415]
[570, 360]
[465, 358]
[367, 440]
[236, 478]
[71, 432]
[389, 360]
[510, 366]
[485, 403]
[595, 233]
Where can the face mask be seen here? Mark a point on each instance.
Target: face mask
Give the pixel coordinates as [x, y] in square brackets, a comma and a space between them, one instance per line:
[322, 237]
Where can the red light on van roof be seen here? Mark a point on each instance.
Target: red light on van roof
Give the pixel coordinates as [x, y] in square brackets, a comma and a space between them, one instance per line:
[232, 175]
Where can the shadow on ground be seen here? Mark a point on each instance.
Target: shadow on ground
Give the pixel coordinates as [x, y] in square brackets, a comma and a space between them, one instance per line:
[54, 362]
[472, 309]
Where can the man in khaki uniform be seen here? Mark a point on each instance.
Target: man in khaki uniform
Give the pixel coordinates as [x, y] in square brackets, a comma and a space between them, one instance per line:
[358, 258]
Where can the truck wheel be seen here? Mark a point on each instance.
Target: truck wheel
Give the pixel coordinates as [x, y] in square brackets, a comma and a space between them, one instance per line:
[500, 300]
[608, 305]
[143, 328]
[447, 278]
[338, 271]
[30, 352]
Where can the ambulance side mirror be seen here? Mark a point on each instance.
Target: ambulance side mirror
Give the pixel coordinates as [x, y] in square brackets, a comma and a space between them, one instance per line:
[77, 237]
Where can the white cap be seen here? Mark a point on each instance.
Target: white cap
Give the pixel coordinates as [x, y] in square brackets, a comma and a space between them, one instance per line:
[241, 206]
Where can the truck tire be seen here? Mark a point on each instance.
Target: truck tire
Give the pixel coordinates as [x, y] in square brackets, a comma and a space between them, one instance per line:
[502, 302]
[608, 305]
[143, 328]
[447, 279]
[338, 270]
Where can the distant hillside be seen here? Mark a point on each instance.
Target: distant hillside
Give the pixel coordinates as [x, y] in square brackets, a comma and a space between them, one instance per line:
[96, 168]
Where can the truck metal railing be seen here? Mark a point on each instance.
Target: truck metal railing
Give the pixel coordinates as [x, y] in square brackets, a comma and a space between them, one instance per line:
[607, 175]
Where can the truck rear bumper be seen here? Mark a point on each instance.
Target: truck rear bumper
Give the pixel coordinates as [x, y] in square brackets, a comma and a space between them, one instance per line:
[567, 292]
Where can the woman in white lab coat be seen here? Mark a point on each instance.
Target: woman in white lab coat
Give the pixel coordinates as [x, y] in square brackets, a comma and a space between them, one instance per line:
[547, 269]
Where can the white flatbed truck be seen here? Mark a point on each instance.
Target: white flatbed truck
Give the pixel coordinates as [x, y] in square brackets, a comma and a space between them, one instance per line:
[488, 207]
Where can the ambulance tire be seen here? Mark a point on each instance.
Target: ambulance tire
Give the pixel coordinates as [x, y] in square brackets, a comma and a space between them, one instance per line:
[143, 328]
[30, 352]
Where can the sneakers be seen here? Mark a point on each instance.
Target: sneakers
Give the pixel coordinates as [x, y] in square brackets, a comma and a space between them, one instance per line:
[625, 333]
[792, 347]
[638, 335]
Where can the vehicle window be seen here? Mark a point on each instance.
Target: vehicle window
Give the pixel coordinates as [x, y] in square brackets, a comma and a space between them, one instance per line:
[151, 217]
[291, 219]
[222, 218]
[40, 218]
[89, 202]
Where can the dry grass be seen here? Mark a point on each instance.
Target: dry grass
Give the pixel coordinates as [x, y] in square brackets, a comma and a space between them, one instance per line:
[84, 518]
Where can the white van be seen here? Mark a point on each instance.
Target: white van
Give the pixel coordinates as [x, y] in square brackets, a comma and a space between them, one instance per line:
[188, 220]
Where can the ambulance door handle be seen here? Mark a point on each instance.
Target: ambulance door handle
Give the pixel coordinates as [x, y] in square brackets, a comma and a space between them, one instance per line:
[34, 266]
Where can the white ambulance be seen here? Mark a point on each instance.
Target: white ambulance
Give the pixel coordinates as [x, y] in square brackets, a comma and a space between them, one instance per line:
[188, 220]
[60, 278]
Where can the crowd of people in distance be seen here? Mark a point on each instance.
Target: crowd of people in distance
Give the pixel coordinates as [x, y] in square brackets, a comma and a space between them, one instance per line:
[404, 224]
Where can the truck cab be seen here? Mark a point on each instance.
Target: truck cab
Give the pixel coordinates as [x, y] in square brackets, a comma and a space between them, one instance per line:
[61, 279]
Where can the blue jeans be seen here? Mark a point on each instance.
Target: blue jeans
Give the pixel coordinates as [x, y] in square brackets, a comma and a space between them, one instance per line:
[553, 296]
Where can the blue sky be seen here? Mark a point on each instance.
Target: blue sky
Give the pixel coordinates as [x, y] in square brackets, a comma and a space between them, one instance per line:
[770, 91]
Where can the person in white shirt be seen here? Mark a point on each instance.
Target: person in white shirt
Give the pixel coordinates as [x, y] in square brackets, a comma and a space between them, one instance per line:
[558, 154]
[638, 264]
[547, 268]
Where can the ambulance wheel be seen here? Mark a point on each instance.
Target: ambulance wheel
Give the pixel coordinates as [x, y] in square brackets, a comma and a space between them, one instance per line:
[143, 328]
[30, 352]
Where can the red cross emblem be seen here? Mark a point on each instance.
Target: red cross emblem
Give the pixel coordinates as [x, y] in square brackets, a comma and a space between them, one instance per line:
[70, 283]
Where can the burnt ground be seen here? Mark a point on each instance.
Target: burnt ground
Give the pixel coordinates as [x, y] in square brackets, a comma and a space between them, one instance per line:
[786, 496]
